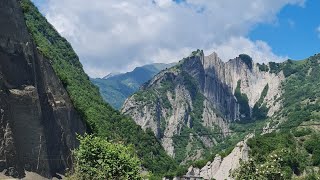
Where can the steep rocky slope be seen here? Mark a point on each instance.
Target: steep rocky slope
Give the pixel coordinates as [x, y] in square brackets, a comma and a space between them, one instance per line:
[220, 167]
[188, 105]
[38, 121]
[116, 88]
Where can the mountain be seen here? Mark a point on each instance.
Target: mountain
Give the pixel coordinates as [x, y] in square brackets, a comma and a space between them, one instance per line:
[115, 88]
[203, 107]
[202, 94]
[46, 98]
[111, 75]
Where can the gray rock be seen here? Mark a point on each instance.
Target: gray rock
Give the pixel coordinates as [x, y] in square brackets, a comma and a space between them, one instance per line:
[37, 133]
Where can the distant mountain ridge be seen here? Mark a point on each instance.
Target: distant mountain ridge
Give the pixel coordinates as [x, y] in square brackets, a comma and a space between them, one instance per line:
[111, 75]
[115, 88]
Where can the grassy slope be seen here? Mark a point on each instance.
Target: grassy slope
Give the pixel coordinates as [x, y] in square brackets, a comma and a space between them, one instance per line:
[103, 120]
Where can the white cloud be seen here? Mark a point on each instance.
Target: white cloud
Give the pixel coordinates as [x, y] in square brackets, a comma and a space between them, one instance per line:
[258, 50]
[116, 35]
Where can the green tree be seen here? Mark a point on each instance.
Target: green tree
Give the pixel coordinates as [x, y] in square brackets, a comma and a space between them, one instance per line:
[96, 158]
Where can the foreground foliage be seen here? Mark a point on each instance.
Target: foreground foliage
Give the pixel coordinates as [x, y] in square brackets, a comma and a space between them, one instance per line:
[96, 158]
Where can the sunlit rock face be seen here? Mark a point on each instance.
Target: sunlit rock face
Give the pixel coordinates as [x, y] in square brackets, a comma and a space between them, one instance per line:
[198, 95]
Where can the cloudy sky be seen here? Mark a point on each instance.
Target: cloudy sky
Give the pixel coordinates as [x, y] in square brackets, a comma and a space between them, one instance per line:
[118, 35]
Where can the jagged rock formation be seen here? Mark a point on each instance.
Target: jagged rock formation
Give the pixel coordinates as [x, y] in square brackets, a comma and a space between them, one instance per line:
[38, 121]
[220, 168]
[202, 95]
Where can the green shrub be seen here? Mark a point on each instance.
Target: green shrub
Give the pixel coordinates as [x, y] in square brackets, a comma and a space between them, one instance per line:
[263, 67]
[96, 158]
[299, 132]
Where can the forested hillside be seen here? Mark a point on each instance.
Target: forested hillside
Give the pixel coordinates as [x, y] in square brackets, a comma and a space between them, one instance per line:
[100, 117]
[292, 149]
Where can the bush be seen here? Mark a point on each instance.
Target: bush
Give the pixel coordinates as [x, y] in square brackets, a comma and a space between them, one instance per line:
[246, 59]
[96, 158]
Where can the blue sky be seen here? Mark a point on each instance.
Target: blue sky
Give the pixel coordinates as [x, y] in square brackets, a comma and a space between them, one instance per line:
[118, 35]
[295, 33]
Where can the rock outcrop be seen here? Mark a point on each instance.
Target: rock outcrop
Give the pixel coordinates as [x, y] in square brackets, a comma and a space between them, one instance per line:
[38, 121]
[221, 168]
[202, 95]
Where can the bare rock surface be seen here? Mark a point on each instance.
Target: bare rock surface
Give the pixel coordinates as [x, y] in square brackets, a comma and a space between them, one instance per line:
[220, 168]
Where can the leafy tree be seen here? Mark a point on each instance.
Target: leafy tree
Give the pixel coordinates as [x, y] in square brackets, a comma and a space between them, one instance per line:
[246, 59]
[96, 158]
[276, 166]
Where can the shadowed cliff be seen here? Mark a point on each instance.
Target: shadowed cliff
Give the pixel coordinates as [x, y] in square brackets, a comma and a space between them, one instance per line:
[38, 121]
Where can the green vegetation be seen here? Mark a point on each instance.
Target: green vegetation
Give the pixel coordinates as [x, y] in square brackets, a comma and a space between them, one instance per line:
[116, 89]
[246, 59]
[301, 98]
[297, 146]
[113, 92]
[263, 67]
[260, 109]
[312, 145]
[300, 132]
[277, 165]
[96, 158]
[281, 154]
[243, 103]
[198, 52]
[181, 142]
[275, 67]
[100, 117]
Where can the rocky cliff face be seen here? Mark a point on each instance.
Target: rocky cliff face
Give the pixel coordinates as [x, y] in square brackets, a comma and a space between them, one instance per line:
[38, 122]
[220, 168]
[188, 105]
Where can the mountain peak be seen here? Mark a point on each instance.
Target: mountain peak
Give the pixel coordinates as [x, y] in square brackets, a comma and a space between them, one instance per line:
[111, 75]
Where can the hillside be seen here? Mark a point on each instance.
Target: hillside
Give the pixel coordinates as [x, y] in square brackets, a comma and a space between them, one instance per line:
[99, 117]
[204, 106]
[116, 88]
